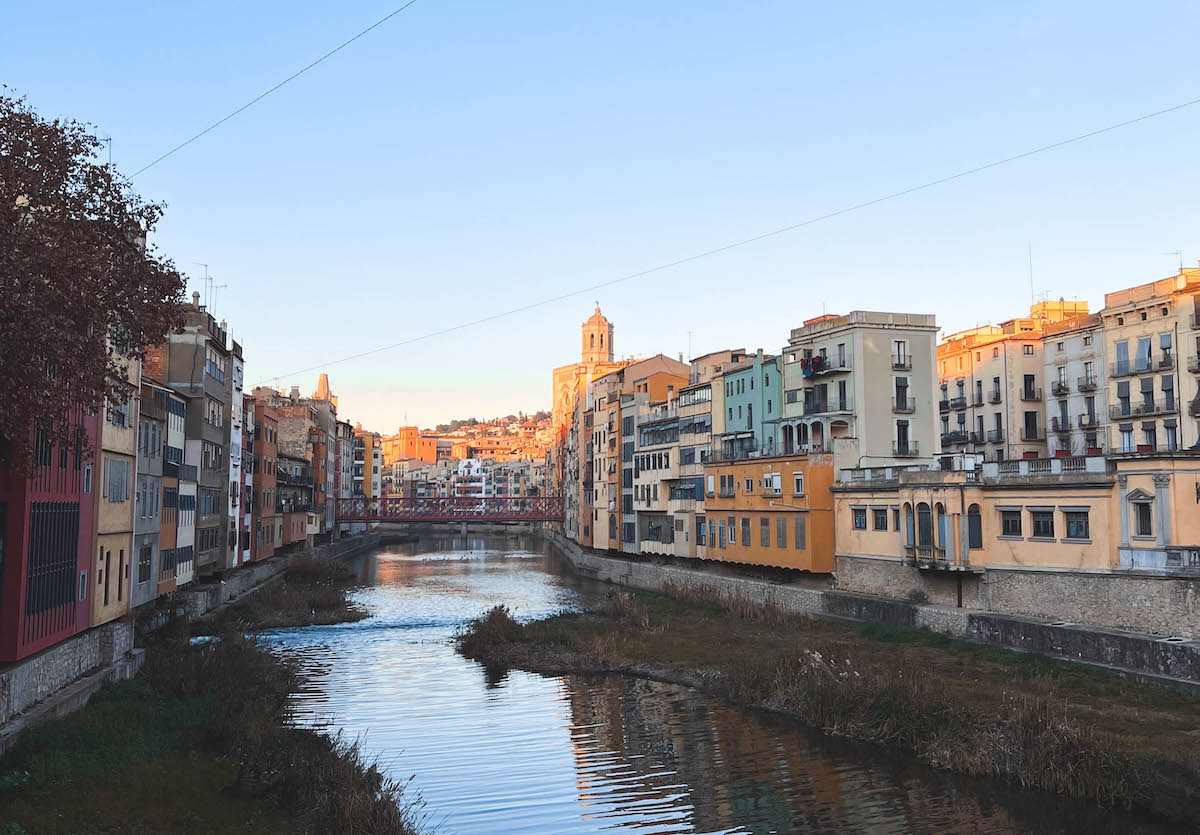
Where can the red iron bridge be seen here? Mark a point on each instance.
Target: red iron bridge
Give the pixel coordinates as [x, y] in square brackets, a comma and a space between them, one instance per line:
[452, 509]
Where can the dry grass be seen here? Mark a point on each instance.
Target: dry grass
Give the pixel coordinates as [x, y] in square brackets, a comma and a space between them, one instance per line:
[311, 592]
[199, 742]
[974, 709]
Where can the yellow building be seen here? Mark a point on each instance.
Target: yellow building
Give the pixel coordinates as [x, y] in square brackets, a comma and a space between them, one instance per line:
[771, 511]
[991, 397]
[114, 532]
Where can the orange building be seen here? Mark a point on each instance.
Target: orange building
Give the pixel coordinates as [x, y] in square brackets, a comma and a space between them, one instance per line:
[771, 511]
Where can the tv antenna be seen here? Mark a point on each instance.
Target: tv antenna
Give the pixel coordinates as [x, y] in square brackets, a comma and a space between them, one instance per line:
[1178, 254]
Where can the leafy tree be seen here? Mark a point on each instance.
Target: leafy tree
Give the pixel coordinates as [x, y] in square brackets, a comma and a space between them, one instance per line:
[76, 277]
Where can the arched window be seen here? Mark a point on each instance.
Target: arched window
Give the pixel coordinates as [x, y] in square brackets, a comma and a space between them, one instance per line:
[924, 526]
[974, 527]
[908, 524]
[593, 341]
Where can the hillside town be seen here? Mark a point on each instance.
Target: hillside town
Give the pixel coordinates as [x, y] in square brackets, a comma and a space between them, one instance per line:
[1057, 451]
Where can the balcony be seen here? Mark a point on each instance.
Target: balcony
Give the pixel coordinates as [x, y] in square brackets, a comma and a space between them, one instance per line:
[1194, 364]
[1032, 434]
[1060, 424]
[994, 396]
[943, 405]
[958, 403]
[829, 365]
[924, 556]
[905, 449]
[1088, 421]
[826, 407]
[1086, 384]
[1194, 408]
[294, 479]
[1031, 395]
[995, 436]
[903, 405]
[901, 362]
[1059, 388]
[1127, 367]
[187, 472]
[953, 438]
[1143, 409]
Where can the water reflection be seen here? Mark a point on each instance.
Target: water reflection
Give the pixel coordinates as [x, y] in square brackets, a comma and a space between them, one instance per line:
[496, 752]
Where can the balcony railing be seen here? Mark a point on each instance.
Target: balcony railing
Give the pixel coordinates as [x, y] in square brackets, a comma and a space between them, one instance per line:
[958, 403]
[943, 405]
[901, 362]
[1060, 424]
[956, 437]
[834, 365]
[1087, 383]
[1194, 364]
[1088, 421]
[1142, 365]
[187, 472]
[824, 407]
[1060, 388]
[977, 399]
[903, 405]
[1032, 433]
[1031, 395]
[995, 436]
[736, 452]
[1126, 410]
[1194, 408]
[994, 396]
[1195, 320]
[905, 449]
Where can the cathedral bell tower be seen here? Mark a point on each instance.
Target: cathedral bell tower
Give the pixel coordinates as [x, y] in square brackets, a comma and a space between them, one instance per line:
[597, 339]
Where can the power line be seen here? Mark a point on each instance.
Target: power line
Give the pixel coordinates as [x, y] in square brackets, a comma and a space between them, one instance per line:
[263, 95]
[747, 241]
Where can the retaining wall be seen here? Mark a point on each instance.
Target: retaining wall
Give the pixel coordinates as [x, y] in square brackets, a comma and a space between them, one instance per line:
[1142, 654]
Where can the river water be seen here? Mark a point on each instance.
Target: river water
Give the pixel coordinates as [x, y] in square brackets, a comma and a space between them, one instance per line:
[525, 753]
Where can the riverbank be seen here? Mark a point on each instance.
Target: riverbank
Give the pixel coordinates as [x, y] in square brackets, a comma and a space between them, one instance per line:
[955, 705]
[201, 739]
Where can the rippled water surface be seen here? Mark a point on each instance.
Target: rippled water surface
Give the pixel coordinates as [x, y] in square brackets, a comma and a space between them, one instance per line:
[524, 753]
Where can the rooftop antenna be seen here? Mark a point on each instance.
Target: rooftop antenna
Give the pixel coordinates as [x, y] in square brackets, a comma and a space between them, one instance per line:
[1178, 254]
[1029, 253]
[215, 288]
[207, 281]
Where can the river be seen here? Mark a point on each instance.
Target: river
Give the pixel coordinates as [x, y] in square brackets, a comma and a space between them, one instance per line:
[523, 753]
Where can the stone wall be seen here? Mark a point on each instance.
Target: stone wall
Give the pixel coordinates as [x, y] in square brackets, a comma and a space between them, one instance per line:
[1138, 601]
[1135, 652]
[34, 679]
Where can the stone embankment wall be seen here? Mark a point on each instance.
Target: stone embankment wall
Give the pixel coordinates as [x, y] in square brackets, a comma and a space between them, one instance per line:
[1141, 601]
[60, 679]
[1139, 653]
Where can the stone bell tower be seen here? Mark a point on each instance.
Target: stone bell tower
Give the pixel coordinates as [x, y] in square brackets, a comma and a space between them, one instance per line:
[597, 339]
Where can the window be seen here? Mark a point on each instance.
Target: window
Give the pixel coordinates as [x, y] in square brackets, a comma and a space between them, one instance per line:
[116, 480]
[1010, 522]
[880, 520]
[797, 484]
[995, 352]
[896, 518]
[214, 412]
[1027, 350]
[1043, 524]
[145, 553]
[1059, 346]
[1077, 524]
[764, 532]
[860, 518]
[1143, 519]
[746, 531]
[733, 532]
[749, 485]
[801, 533]
[1087, 339]
[781, 532]
[974, 527]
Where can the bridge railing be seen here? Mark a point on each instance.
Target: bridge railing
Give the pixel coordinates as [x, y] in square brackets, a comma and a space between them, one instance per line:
[451, 509]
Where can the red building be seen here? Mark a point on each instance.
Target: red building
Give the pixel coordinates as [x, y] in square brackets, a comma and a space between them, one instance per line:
[47, 532]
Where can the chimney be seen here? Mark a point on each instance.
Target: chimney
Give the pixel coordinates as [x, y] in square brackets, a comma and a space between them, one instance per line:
[760, 354]
[196, 299]
[294, 393]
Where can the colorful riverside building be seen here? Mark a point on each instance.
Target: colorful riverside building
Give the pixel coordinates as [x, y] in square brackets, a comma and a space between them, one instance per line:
[267, 531]
[117, 458]
[47, 545]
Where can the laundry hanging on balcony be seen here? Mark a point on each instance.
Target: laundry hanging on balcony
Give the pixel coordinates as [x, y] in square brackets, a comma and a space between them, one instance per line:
[812, 365]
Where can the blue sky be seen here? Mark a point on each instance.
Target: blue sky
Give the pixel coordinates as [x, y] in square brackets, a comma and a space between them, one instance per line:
[470, 157]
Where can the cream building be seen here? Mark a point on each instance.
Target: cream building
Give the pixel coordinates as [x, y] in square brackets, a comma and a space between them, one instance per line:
[860, 386]
[1075, 386]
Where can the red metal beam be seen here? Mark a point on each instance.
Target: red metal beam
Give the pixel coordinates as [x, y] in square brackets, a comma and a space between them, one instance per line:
[452, 509]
